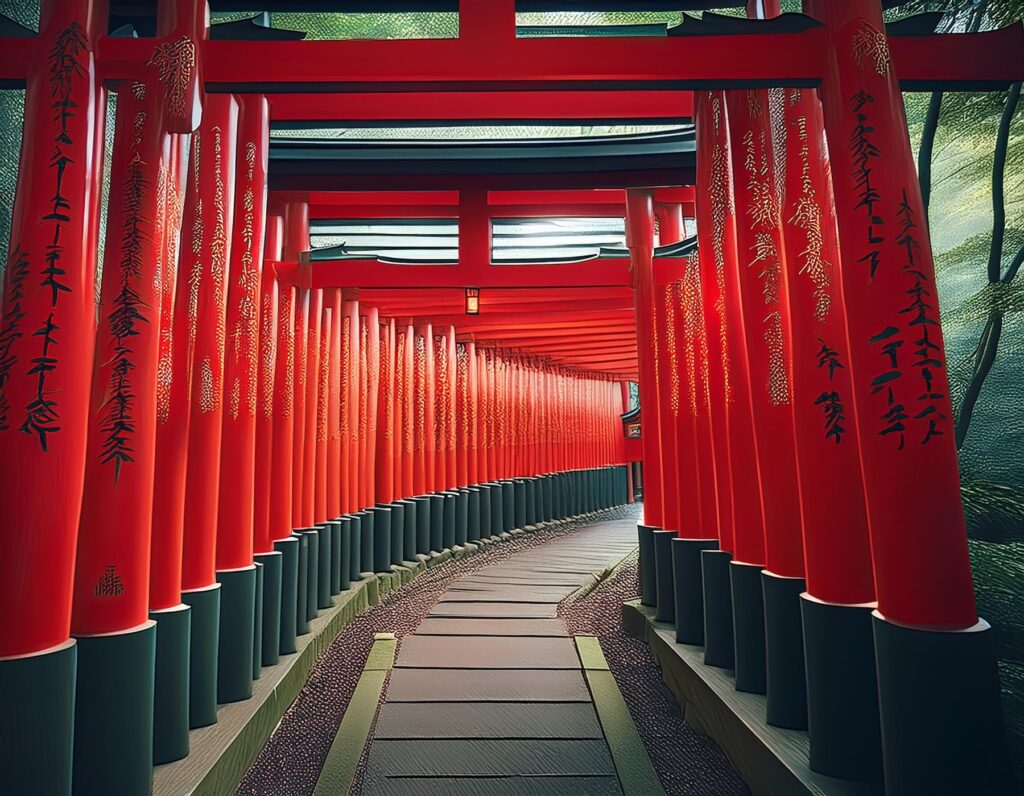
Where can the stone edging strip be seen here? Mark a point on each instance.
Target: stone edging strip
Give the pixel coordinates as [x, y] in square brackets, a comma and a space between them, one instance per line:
[342, 763]
[636, 773]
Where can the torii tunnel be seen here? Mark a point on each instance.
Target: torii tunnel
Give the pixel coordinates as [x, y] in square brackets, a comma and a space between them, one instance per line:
[305, 366]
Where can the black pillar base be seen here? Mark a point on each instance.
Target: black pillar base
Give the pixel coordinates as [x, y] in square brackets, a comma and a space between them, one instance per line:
[448, 529]
[719, 647]
[665, 594]
[497, 510]
[648, 579]
[530, 517]
[312, 574]
[689, 588]
[257, 623]
[423, 520]
[508, 505]
[366, 536]
[941, 717]
[170, 700]
[323, 558]
[234, 662]
[437, 515]
[346, 550]
[336, 555]
[519, 486]
[397, 540]
[461, 516]
[548, 497]
[381, 539]
[270, 634]
[202, 676]
[114, 712]
[842, 690]
[408, 548]
[473, 514]
[748, 626]
[302, 587]
[37, 721]
[484, 527]
[289, 550]
[784, 651]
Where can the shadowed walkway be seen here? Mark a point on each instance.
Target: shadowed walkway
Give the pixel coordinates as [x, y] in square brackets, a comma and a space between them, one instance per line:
[488, 695]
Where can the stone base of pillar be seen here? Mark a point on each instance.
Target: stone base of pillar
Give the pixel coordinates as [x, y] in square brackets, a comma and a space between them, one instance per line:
[347, 549]
[748, 626]
[270, 634]
[473, 514]
[382, 521]
[367, 520]
[842, 690]
[461, 516]
[689, 588]
[38, 719]
[448, 526]
[423, 520]
[940, 710]
[323, 558]
[784, 651]
[336, 555]
[312, 580]
[437, 511]
[495, 509]
[484, 527]
[235, 643]
[396, 540]
[114, 711]
[665, 594]
[289, 550]
[171, 685]
[530, 517]
[257, 623]
[302, 585]
[719, 650]
[203, 644]
[648, 579]
[519, 503]
[407, 549]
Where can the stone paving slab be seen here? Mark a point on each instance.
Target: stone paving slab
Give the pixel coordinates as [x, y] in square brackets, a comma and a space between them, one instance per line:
[530, 720]
[463, 626]
[505, 595]
[488, 758]
[487, 685]
[500, 786]
[494, 610]
[487, 652]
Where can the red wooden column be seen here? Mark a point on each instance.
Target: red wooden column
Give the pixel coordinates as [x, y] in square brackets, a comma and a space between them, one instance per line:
[216, 162]
[46, 351]
[727, 395]
[937, 684]
[640, 240]
[473, 415]
[267, 490]
[309, 448]
[296, 240]
[755, 117]
[323, 412]
[840, 587]
[427, 481]
[370, 348]
[236, 571]
[385, 442]
[350, 473]
[406, 398]
[462, 415]
[336, 405]
[117, 640]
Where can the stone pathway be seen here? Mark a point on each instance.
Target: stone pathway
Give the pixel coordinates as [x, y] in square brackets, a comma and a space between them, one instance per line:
[488, 695]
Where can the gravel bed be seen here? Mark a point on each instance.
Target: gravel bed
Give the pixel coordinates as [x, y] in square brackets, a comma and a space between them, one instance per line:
[687, 763]
[290, 762]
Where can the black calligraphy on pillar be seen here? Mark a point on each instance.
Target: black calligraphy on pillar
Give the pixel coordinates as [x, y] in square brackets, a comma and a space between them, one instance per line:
[10, 325]
[118, 423]
[923, 322]
[864, 151]
[110, 584]
[830, 401]
[42, 416]
[894, 418]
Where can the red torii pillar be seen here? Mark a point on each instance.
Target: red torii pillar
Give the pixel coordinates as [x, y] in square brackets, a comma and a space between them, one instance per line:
[841, 685]
[236, 571]
[46, 353]
[640, 240]
[938, 685]
[213, 146]
[268, 491]
[729, 420]
[117, 639]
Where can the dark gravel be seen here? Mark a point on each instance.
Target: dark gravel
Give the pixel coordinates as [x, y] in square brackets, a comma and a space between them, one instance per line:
[686, 762]
[290, 762]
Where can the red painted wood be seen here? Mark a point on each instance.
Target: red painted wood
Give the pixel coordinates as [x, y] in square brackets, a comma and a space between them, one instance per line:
[215, 160]
[335, 405]
[310, 426]
[282, 464]
[897, 357]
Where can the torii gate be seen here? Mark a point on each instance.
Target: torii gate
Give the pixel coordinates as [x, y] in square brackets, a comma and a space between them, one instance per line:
[925, 630]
